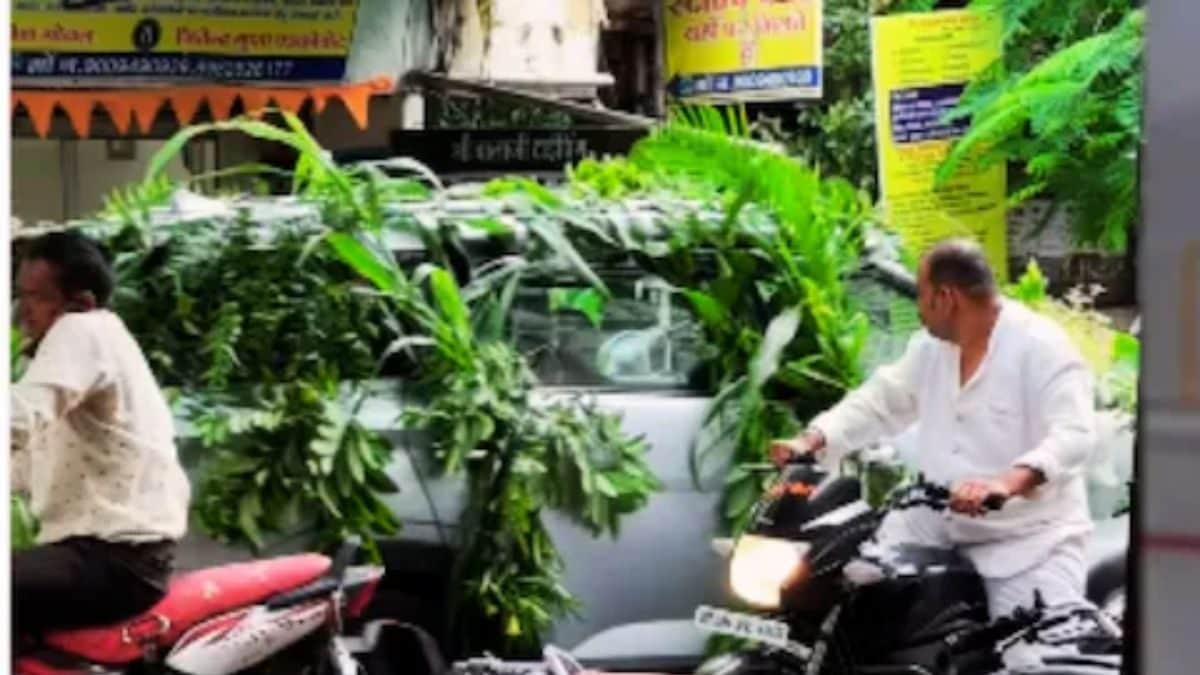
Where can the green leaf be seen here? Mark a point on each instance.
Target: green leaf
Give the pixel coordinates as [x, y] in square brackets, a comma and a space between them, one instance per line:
[780, 333]
[1126, 350]
[175, 145]
[355, 462]
[449, 300]
[382, 273]
[327, 499]
[249, 510]
[588, 302]
[491, 225]
[553, 237]
[606, 487]
[707, 308]
[741, 496]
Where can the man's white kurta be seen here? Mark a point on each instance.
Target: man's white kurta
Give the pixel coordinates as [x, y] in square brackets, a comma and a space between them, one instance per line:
[1030, 403]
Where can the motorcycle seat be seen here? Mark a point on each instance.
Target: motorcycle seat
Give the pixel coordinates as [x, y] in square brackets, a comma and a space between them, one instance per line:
[191, 598]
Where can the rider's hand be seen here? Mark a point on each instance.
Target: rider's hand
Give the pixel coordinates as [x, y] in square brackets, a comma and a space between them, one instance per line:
[968, 496]
[784, 451]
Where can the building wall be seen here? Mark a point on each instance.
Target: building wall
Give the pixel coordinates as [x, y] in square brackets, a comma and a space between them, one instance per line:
[37, 185]
[57, 180]
[391, 37]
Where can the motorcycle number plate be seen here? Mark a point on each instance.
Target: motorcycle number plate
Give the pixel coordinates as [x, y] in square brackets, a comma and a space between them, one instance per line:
[737, 624]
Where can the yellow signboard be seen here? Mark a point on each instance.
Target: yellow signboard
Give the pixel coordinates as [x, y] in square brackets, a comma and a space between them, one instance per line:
[244, 40]
[921, 65]
[744, 49]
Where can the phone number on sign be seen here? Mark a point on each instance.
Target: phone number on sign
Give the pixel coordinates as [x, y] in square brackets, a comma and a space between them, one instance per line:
[53, 65]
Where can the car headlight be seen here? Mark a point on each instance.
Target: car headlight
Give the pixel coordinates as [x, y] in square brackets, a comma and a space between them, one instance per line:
[760, 567]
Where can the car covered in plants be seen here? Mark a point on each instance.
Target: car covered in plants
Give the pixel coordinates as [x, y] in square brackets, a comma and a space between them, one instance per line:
[559, 392]
[637, 353]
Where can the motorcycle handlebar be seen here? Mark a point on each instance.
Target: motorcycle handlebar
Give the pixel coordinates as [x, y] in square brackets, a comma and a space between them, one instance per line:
[804, 459]
[994, 502]
[934, 496]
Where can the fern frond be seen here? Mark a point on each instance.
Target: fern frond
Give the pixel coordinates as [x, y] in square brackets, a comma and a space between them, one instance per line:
[1074, 119]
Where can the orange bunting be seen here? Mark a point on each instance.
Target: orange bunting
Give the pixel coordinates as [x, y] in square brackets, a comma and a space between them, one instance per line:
[291, 100]
[357, 102]
[79, 114]
[145, 109]
[254, 101]
[40, 108]
[221, 101]
[185, 104]
[142, 106]
[120, 110]
[320, 96]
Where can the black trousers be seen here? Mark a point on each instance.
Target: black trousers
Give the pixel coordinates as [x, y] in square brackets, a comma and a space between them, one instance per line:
[86, 582]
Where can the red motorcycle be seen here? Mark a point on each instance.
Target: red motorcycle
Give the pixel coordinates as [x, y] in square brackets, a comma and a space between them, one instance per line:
[281, 615]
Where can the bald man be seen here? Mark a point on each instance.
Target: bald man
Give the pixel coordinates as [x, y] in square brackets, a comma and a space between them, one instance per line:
[1004, 406]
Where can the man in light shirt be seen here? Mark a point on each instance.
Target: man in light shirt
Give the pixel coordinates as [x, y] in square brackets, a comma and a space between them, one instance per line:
[92, 446]
[1004, 407]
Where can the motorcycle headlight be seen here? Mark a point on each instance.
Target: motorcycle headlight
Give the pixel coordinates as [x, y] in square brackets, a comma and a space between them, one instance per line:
[760, 567]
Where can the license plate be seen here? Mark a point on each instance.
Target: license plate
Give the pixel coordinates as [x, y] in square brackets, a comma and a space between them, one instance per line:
[747, 626]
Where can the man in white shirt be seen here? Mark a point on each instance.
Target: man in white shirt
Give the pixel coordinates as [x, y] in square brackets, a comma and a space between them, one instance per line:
[1004, 407]
[92, 446]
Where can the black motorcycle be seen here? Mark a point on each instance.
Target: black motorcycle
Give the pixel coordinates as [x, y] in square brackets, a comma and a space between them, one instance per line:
[826, 606]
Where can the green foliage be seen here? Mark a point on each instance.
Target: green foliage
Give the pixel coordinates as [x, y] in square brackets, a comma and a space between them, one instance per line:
[256, 325]
[296, 462]
[132, 204]
[23, 526]
[785, 338]
[1076, 130]
[610, 179]
[838, 139]
[194, 296]
[836, 136]
[522, 457]
[1114, 356]
[1073, 119]
[1031, 287]
[519, 456]
[717, 645]
[588, 301]
[1034, 29]
[1120, 381]
[16, 353]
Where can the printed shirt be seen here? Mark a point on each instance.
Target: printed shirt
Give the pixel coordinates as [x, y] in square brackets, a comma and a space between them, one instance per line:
[93, 437]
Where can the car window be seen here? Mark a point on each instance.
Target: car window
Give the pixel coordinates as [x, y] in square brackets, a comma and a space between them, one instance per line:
[646, 339]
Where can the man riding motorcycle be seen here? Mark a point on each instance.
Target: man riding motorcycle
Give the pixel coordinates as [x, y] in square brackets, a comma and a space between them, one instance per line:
[1004, 406]
[93, 446]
